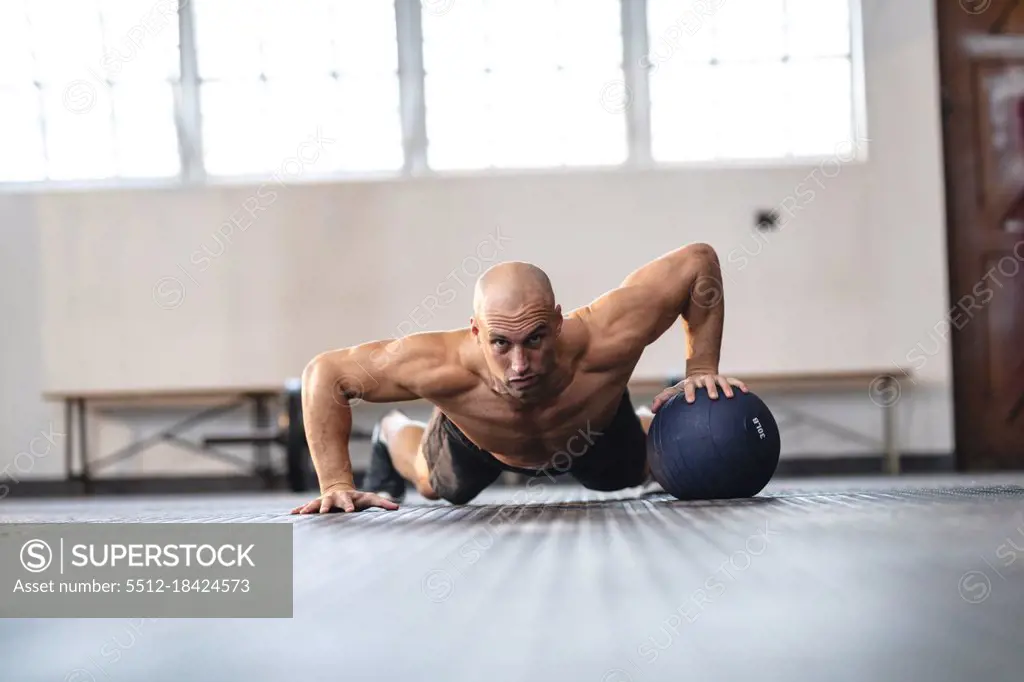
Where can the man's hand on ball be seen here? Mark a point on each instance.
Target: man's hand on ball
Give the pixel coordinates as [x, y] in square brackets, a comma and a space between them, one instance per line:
[346, 500]
[688, 387]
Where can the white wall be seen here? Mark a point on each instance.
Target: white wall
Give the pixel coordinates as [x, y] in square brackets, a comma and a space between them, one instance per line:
[112, 290]
[27, 425]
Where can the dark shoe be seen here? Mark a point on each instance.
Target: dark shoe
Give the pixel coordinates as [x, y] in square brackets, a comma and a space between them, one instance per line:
[382, 478]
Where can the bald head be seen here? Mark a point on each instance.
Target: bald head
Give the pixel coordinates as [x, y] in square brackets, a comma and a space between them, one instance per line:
[508, 288]
[517, 325]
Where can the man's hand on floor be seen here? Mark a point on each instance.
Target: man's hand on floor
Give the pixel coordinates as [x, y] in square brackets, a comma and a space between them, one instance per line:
[346, 500]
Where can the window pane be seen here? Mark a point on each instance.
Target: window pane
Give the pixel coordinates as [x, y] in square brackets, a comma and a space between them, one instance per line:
[736, 111]
[679, 30]
[821, 106]
[228, 34]
[541, 33]
[363, 36]
[21, 136]
[748, 79]
[752, 124]
[296, 39]
[749, 30]
[16, 66]
[246, 38]
[518, 83]
[147, 141]
[456, 41]
[294, 111]
[818, 27]
[66, 38]
[92, 93]
[684, 113]
[520, 34]
[79, 133]
[234, 118]
[368, 128]
[354, 120]
[308, 70]
[460, 121]
[140, 40]
[588, 134]
[600, 45]
[523, 133]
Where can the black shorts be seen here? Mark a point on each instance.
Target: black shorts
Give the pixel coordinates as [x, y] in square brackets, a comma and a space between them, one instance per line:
[610, 458]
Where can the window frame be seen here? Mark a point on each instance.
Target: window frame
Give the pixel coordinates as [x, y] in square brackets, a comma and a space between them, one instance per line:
[411, 83]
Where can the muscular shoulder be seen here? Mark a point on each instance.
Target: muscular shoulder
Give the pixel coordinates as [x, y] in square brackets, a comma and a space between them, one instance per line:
[612, 328]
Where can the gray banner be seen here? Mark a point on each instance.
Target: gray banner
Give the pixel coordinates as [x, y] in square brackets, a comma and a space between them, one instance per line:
[154, 570]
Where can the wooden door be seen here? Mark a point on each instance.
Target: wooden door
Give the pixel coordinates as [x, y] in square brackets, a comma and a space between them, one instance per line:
[982, 69]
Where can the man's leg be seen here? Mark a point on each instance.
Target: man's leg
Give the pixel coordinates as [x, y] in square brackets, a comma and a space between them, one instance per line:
[438, 459]
[617, 457]
[404, 438]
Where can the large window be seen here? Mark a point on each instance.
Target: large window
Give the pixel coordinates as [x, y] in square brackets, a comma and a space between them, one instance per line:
[99, 89]
[87, 89]
[277, 73]
[745, 79]
[516, 83]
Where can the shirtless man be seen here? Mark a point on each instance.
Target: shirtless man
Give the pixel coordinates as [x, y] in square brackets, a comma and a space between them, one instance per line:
[517, 389]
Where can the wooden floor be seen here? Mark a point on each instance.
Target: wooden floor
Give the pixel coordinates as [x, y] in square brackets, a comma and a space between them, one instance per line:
[854, 579]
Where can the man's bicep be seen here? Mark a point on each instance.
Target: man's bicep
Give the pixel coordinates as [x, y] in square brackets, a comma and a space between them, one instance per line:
[633, 315]
[669, 278]
[660, 291]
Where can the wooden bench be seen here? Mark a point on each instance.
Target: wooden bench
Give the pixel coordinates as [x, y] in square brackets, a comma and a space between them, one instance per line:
[881, 386]
[211, 402]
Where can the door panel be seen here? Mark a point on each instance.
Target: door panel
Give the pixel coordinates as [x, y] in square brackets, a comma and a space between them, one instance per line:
[982, 67]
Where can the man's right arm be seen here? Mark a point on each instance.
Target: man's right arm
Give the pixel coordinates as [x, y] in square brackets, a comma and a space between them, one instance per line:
[391, 370]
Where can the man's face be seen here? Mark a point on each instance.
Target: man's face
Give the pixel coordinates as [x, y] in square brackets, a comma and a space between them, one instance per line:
[521, 349]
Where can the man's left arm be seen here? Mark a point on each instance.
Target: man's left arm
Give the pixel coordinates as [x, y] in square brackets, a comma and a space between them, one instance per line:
[683, 284]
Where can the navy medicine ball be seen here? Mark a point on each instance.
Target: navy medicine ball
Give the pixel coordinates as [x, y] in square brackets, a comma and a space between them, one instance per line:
[713, 449]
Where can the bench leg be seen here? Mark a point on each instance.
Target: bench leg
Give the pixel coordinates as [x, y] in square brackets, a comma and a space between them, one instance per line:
[69, 439]
[83, 447]
[261, 451]
[889, 434]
